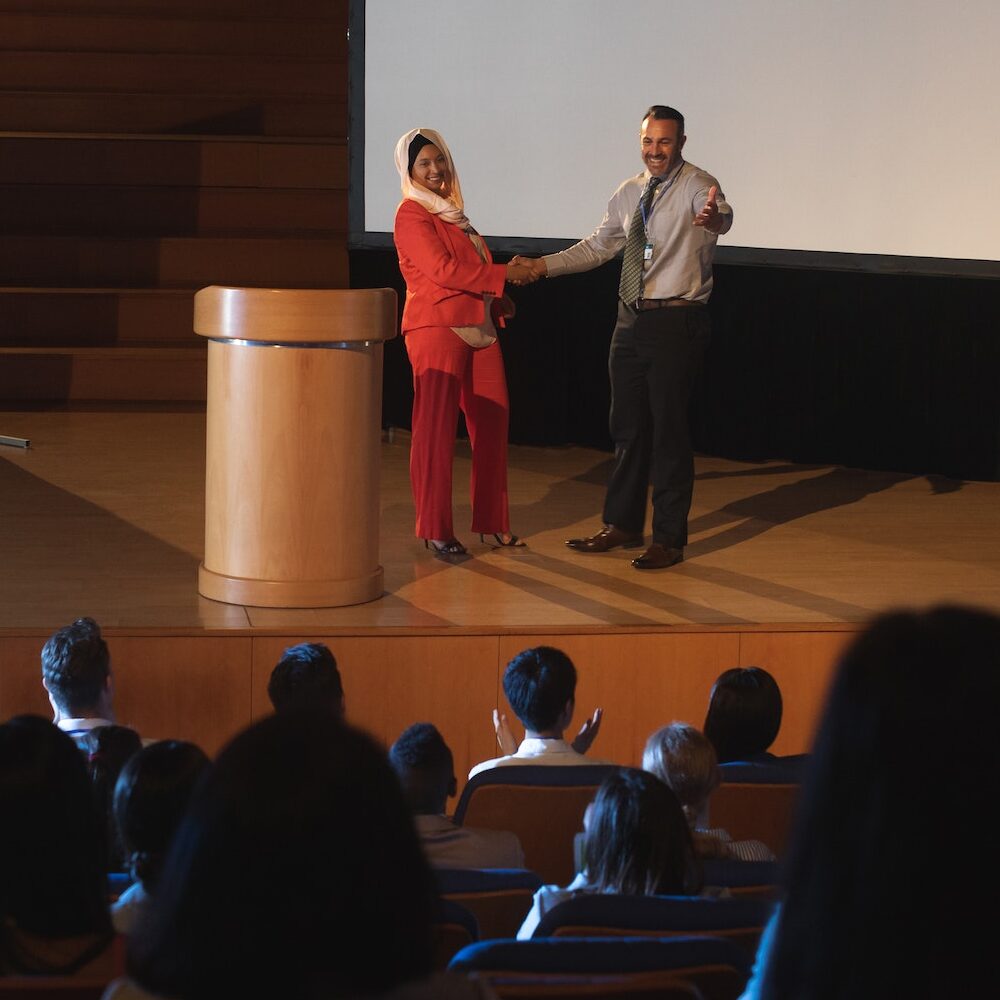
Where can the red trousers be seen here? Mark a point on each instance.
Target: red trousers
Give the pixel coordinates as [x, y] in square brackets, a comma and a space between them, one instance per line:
[448, 375]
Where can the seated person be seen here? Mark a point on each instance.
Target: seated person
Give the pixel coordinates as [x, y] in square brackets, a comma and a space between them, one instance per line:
[540, 685]
[426, 771]
[150, 800]
[744, 715]
[307, 676]
[76, 674]
[683, 759]
[108, 748]
[53, 909]
[636, 843]
[296, 872]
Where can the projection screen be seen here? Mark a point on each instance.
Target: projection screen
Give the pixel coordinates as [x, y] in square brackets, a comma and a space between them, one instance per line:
[856, 133]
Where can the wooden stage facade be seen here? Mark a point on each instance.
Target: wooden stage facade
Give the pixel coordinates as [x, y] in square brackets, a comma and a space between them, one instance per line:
[103, 516]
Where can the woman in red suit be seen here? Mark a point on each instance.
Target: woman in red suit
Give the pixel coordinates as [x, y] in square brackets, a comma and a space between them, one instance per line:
[454, 296]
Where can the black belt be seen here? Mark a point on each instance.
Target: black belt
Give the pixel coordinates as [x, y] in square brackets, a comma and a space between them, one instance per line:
[643, 305]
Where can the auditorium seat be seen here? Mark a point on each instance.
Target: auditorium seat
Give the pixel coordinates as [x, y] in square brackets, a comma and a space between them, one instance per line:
[499, 898]
[543, 805]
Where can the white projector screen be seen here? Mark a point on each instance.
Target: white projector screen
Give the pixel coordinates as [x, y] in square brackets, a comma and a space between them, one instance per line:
[858, 127]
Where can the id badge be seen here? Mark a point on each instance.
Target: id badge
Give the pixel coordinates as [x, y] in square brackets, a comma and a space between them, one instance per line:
[647, 252]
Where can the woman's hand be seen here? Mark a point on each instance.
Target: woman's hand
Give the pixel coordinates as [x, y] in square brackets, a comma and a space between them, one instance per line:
[506, 307]
[519, 273]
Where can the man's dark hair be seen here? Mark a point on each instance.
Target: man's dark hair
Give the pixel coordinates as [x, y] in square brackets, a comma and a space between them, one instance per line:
[664, 113]
[306, 676]
[425, 767]
[744, 713]
[76, 666]
[538, 682]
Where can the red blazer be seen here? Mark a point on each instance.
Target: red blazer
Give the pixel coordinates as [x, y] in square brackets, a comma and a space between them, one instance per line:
[446, 278]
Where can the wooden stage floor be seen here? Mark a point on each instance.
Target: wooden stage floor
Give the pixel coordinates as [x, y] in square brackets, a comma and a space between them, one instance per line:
[103, 516]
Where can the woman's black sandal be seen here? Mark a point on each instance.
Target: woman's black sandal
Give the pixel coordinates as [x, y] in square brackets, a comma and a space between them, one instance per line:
[514, 542]
[445, 549]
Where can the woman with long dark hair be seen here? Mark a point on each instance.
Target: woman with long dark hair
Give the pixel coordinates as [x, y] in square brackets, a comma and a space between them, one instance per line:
[636, 843]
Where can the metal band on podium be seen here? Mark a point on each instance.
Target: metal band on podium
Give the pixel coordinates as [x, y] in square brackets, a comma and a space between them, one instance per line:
[293, 444]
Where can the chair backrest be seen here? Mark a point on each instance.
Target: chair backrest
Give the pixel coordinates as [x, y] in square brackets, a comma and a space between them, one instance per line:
[499, 898]
[543, 805]
[717, 968]
[454, 928]
[755, 811]
[767, 771]
[751, 879]
[607, 915]
[621, 986]
[50, 988]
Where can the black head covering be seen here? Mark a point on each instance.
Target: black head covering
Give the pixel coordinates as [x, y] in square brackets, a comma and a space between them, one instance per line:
[417, 143]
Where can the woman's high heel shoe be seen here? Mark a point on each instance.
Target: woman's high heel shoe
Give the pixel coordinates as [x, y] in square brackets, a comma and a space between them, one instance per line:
[445, 548]
[502, 542]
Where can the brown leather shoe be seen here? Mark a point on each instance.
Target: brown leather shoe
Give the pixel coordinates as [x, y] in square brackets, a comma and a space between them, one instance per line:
[609, 537]
[658, 557]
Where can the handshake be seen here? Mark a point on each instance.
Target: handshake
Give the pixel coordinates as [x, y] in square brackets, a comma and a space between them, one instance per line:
[525, 270]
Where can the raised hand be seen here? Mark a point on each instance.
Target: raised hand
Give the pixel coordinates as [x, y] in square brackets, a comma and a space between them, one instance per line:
[505, 735]
[709, 215]
[588, 732]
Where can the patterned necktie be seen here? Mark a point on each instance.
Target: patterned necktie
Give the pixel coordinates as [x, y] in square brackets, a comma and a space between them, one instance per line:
[630, 287]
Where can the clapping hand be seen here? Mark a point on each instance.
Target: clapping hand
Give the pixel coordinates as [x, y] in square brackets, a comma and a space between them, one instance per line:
[505, 735]
[588, 732]
[709, 215]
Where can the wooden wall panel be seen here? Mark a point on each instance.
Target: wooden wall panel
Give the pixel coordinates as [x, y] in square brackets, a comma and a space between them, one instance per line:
[802, 663]
[392, 682]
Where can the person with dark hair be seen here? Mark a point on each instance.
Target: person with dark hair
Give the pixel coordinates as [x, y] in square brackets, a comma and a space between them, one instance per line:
[454, 301]
[150, 799]
[307, 676]
[76, 674]
[425, 767]
[744, 715]
[540, 684]
[295, 873]
[636, 843]
[108, 748]
[667, 220]
[887, 872]
[684, 760]
[53, 908]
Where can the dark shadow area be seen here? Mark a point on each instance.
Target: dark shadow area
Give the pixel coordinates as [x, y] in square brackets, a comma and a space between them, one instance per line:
[63, 557]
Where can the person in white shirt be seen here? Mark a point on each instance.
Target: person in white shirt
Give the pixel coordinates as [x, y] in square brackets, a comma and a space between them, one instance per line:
[540, 684]
[425, 767]
[76, 674]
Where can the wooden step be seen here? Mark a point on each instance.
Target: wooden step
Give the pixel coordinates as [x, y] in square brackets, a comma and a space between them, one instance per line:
[174, 262]
[181, 161]
[97, 317]
[217, 75]
[83, 32]
[188, 114]
[69, 209]
[97, 373]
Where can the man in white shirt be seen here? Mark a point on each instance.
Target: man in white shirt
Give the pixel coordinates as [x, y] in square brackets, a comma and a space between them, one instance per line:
[426, 770]
[76, 674]
[540, 684]
[667, 220]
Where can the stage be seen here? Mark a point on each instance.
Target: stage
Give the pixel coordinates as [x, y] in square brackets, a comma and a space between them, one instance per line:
[103, 516]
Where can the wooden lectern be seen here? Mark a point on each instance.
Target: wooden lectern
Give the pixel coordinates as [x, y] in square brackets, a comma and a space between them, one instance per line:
[294, 432]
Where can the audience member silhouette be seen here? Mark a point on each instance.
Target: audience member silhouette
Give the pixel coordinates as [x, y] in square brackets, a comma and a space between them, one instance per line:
[684, 760]
[76, 674]
[307, 676]
[889, 870]
[426, 770]
[636, 843]
[108, 748]
[53, 908]
[744, 715]
[296, 874]
[540, 684]
[150, 800]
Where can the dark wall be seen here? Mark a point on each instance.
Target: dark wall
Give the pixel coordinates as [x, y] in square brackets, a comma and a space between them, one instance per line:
[894, 372]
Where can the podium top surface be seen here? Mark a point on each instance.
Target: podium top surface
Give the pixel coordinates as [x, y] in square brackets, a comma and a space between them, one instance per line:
[295, 315]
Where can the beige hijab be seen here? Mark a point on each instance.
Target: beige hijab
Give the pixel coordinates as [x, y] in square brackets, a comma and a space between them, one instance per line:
[450, 209]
